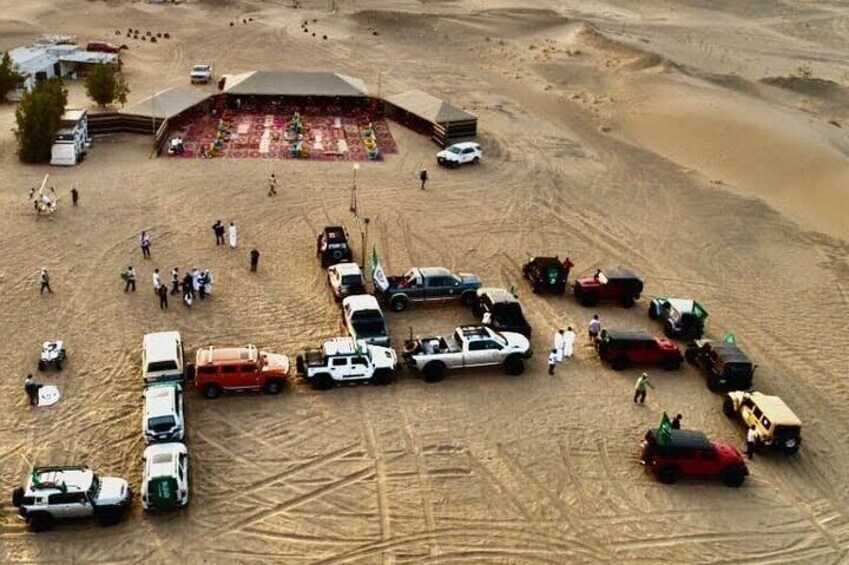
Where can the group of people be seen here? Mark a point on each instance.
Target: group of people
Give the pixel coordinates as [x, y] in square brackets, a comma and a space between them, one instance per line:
[564, 347]
[195, 283]
[232, 235]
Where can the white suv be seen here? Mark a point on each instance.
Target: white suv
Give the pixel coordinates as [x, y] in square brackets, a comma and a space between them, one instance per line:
[70, 492]
[162, 357]
[162, 418]
[345, 279]
[201, 74]
[343, 360]
[460, 154]
[165, 484]
[363, 319]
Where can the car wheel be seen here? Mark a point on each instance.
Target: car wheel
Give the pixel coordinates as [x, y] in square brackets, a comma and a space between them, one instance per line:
[190, 372]
[399, 303]
[514, 366]
[42, 365]
[382, 377]
[322, 381]
[714, 383]
[476, 161]
[690, 355]
[589, 299]
[17, 497]
[108, 518]
[792, 449]
[734, 476]
[653, 313]
[273, 386]
[212, 391]
[668, 475]
[560, 289]
[536, 287]
[728, 407]
[300, 365]
[468, 298]
[40, 522]
[434, 372]
[672, 364]
[627, 302]
[620, 364]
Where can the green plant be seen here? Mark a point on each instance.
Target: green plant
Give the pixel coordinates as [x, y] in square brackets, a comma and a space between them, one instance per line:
[105, 84]
[10, 79]
[38, 117]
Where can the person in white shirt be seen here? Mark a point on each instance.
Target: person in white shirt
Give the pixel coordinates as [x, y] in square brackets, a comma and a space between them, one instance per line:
[594, 328]
[752, 439]
[232, 235]
[558, 346]
[569, 342]
[157, 281]
[552, 361]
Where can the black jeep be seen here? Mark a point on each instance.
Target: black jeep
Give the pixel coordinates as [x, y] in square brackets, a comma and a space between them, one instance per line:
[332, 246]
[500, 310]
[726, 366]
[547, 274]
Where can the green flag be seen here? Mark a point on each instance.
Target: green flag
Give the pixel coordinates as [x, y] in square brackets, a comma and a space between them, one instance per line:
[729, 338]
[664, 431]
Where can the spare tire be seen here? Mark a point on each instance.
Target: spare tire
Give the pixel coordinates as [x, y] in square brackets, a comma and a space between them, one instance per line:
[300, 365]
[17, 497]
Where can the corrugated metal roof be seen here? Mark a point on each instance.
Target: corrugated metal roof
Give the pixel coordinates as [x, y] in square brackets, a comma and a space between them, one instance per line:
[166, 103]
[294, 83]
[429, 107]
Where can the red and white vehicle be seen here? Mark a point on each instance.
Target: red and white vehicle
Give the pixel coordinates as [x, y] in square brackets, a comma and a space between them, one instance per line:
[219, 369]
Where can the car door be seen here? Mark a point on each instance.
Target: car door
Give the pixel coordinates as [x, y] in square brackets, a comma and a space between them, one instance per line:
[338, 368]
[478, 353]
[228, 376]
[69, 505]
[708, 462]
[249, 375]
[359, 368]
[432, 288]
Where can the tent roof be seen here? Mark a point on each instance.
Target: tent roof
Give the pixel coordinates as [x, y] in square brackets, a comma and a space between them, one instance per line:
[166, 103]
[429, 107]
[294, 83]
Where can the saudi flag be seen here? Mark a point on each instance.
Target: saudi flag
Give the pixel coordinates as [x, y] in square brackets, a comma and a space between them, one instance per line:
[377, 274]
[664, 431]
[730, 338]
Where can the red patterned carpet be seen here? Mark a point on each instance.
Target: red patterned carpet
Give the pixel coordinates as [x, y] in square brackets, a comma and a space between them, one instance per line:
[328, 134]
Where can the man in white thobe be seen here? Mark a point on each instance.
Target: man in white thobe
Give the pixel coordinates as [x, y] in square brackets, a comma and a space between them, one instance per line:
[232, 235]
[558, 345]
[569, 342]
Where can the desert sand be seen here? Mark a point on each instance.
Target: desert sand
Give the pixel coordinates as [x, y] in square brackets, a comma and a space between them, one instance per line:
[667, 136]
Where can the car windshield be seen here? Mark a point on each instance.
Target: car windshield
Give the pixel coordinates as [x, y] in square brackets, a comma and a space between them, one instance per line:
[94, 489]
[499, 338]
[157, 366]
[454, 149]
[200, 68]
[737, 369]
[349, 280]
[161, 423]
[787, 431]
[368, 323]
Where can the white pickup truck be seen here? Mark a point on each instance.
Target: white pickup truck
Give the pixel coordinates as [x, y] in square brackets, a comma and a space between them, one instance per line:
[470, 346]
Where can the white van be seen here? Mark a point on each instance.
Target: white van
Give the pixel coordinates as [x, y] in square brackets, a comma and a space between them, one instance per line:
[162, 358]
[162, 417]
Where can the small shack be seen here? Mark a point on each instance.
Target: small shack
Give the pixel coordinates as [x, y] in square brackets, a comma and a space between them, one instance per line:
[72, 141]
[156, 114]
[426, 114]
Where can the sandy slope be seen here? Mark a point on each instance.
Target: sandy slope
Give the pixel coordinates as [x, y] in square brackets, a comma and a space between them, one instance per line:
[603, 124]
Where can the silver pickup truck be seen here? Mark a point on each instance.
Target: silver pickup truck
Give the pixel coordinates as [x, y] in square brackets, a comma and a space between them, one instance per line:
[469, 346]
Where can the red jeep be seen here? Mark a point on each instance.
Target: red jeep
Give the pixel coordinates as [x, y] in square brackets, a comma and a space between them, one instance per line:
[615, 285]
[688, 453]
[623, 348]
[238, 368]
[102, 47]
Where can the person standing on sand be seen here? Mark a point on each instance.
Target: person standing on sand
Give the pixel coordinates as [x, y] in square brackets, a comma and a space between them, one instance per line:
[129, 277]
[44, 280]
[751, 441]
[232, 235]
[31, 388]
[569, 342]
[187, 289]
[157, 281]
[423, 178]
[144, 243]
[594, 328]
[162, 291]
[175, 281]
[218, 228]
[559, 342]
[195, 281]
[75, 196]
[640, 388]
[272, 185]
[254, 259]
[552, 361]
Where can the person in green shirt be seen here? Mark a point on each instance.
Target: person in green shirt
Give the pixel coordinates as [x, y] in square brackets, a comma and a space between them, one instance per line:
[641, 388]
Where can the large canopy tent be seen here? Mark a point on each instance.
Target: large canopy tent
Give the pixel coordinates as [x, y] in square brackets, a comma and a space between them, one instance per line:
[166, 104]
[296, 87]
[432, 116]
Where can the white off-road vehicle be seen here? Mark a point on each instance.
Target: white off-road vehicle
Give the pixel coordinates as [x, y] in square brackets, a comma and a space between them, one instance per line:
[162, 415]
[469, 346]
[460, 154]
[343, 360]
[162, 358]
[345, 279]
[201, 74]
[165, 484]
[53, 494]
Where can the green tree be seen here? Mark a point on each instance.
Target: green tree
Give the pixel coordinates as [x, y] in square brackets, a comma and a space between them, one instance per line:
[38, 116]
[105, 84]
[10, 79]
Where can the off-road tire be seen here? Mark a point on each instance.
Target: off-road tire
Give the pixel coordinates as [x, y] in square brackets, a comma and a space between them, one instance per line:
[322, 381]
[17, 497]
[514, 365]
[300, 365]
[58, 364]
[791, 450]
[690, 355]
[653, 313]
[668, 331]
[627, 302]
[468, 298]
[734, 476]
[476, 161]
[434, 372]
[714, 383]
[672, 364]
[536, 287]
[108, 517]
[398, 303]
[190, 372]
[560, 289]
[668, 475]
[273, 386]
[382, 377]
[42, 366]
[728, 407]
[212, 391]
[40, 522]
[588, 299]
[619, 364]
